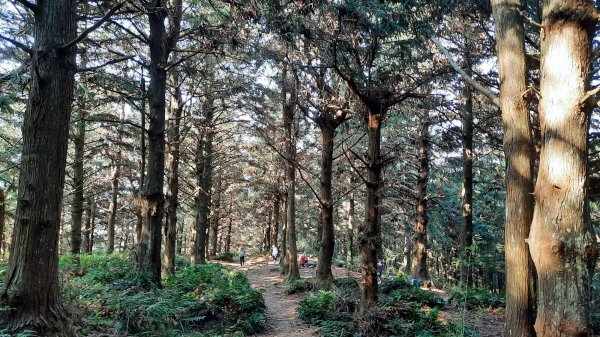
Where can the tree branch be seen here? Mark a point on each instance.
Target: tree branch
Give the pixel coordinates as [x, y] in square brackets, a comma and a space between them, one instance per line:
[105, 64]
[476, 85]
[93, 27]
[17, 44]
[28, 5]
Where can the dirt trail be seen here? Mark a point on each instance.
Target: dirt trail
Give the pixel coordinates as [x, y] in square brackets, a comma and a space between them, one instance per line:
[282, 319]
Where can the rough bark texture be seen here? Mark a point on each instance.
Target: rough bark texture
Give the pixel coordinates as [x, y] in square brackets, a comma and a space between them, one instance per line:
[173, 140]
[466, 237]
[419, 252]
[204, 172]
[197, 198]
[324, 275]
[561, 241]
[370, 232]
[518, 151]
[283, 262]
[289, 105]
[31, 281]
[350, 229]
[149, 246]
[215, 218]
[78, 179]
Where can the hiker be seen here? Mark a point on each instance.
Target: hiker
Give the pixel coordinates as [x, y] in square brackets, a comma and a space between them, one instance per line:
[380, 267]
[303, 259]
[242, 255]
[275, 254]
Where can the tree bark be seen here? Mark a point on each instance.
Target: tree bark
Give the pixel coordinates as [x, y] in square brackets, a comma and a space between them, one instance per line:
[324, 275]
[275, 221]
[214, 219]
[87, 228]
[350, 228]
[112, 208]
[149, 246]
[519, 154]
[173, 135]
[370, 231]
[78, 178]
[204, 172]
[419, 253]
[467, 181]
[289, 105]
[2, 219]
[562, 241]
[31, 282]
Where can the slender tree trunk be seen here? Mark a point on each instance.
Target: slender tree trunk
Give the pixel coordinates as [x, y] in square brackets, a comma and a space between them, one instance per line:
[88, 226]
[138, 213]
[112, 208]
[78, 178]
[350, 229]
[214, 219]
[419, 253]
[283, 262]
[370, 232]
[518, 151]
[2, 219]
[31, 282]
[197, 198]
[205, 184]
[173, 135]
[467, 181]
[92, 224]
[407, 249]
[275, 221]
[290, 178]
[175, 111]
[324, 274]
[562, 241]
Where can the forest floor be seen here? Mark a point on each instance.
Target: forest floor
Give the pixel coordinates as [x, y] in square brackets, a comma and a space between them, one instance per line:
[283, 320]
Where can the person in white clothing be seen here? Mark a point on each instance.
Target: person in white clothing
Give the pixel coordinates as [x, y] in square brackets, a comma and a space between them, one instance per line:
[242, 255]
[275, 253]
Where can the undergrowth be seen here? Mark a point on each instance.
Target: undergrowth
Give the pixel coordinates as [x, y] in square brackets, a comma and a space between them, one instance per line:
[198, 300]
[402, 310]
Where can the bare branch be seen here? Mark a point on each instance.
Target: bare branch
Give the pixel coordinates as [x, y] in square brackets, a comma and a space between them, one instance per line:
[95, 26]
[105, 64]
[17, 44]
[28, 5]
[476, 85]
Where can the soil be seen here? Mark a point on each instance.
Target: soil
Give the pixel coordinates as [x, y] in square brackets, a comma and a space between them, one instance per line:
[283, 320]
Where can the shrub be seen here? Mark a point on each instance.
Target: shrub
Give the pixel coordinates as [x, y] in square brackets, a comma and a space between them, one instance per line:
[300, 286]
[399, 282]
[316, 307]
[476, 297]
[228, 257]
[414, 294]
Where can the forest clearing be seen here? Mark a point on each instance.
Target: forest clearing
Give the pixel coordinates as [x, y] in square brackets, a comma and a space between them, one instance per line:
[276, 168]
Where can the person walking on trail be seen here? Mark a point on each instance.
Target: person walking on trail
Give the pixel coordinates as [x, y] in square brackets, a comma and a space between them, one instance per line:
[242, 255]
[275, 253]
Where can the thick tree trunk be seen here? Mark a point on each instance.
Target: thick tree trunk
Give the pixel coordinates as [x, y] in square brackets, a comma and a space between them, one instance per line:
[370, 232]
[419, 250]
[31, 282]
[78, 179]
[324, 275]
[561, 241]
[197, 248]
[290, 178]
[149, 247]
[138, 213]
[173, 135]
[518, 151]
[466, 237]
[112, 208]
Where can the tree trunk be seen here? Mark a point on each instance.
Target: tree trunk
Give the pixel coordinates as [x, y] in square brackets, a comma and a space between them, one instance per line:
[153, 201]
[419, 253]
[467, 181]
[138, 213]
[112, 208]
[275, 221]
[204, 176]
[88, 226]
[2, 219]
[518, 151]
[561, 241]
[31, 282]
[173, 134]
[350, 229]
[290, 177]
[78, 179]
[324, 275]
[283, 262]
[214, 219]
[370, 232]
[92, 224]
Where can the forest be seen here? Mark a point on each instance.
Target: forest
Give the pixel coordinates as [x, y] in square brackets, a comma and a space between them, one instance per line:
[299, 168]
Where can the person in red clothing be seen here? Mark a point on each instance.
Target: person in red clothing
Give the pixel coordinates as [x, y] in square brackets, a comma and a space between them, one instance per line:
[303, 259]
